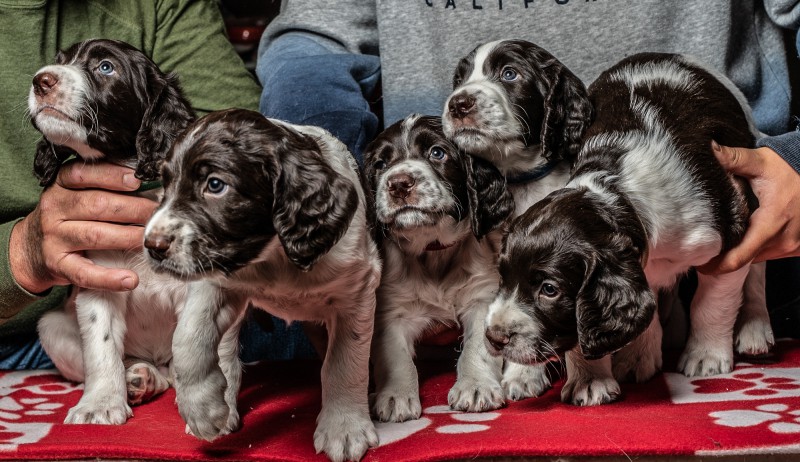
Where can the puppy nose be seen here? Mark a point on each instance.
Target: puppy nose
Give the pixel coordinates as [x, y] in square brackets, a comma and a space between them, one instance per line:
[157, 246]
[43, 83]
[400, 185]
[461, 105]
[498, 338]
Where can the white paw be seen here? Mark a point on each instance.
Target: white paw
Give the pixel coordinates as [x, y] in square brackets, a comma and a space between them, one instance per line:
[144, 382]
[520, 382]
[106, 410]
[754, 337]
[344, 435]
[699, 361]
[395, 405]
[203, 407]
[474, 395]
[590, 391]
[636, 366]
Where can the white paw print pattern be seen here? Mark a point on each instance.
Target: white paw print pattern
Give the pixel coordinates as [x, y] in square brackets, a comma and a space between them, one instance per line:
[448, 421]
[25, 406]
[780, 418]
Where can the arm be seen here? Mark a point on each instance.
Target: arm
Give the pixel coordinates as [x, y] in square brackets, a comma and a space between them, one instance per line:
[785, 13]
[318, 66]
[190, 40]
[774, 230]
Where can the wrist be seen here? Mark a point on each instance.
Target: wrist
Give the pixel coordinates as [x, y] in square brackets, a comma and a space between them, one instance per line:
[25, 258]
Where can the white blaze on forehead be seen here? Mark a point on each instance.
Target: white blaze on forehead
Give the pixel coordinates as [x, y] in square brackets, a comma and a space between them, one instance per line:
[481, 55]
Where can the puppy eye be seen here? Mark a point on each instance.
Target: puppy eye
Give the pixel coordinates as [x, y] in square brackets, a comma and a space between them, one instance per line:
[509, 74]
[437, 153]
[548, 290]
[379, 164]
[216, 186]
[106, 68]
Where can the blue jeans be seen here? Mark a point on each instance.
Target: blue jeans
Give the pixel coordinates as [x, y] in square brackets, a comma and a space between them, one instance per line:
[258, 342]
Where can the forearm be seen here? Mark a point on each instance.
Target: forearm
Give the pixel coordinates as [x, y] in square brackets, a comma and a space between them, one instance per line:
[13, 298]
[787, 146]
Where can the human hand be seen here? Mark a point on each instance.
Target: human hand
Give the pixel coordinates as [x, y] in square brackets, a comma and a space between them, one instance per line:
[83, 210]
[774, 230]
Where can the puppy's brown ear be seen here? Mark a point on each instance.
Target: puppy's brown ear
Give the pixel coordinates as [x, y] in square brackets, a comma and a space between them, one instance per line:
[490, 202]
[166, 115]
[313, 204]
[48, 160]
[567, 113]
[615, 304]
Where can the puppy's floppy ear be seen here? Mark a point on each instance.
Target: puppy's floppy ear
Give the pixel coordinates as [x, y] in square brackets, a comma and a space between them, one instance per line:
[490, 202]
[48, 160]
[166, 115]
[567, 113]
[313, 204]
[615, 304]
[367, 176]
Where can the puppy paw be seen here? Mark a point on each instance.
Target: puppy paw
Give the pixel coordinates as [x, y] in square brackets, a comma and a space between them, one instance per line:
[395, 406]
[704, 361]
[344, 435]
[635, 366]
[203, 407]
[520, 382]
[473, 395]
[144, 382]
[106, 410]
[754, 337]
[590, 391]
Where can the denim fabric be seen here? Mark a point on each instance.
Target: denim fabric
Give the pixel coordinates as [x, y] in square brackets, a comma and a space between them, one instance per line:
[266, 338]
[23, 352]
[333, 92]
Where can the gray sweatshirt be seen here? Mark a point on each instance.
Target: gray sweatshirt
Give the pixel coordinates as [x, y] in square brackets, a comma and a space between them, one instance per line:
[420, 41]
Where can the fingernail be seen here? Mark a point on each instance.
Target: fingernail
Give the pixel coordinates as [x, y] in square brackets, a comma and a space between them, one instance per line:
[131, 181]
[715, 146]
[128, 284]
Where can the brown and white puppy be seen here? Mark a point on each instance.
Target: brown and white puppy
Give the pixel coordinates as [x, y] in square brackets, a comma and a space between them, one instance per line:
[646, 201]
[106, 100]
[261, 211]
[432, 205]
[517, 106]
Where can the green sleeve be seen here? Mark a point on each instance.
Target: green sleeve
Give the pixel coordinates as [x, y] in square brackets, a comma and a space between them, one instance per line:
[190, 40]
[20, 309]
[13, 298]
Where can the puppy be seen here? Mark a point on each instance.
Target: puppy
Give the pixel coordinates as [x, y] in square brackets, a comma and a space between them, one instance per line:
[432, 205]
[263, 211]
[105, 100]
[517, 106]
[646, 201]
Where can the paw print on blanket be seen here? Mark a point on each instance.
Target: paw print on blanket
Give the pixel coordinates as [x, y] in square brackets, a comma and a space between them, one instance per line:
[29, 401]
[779, 418]
[446, 421]
[744, 384]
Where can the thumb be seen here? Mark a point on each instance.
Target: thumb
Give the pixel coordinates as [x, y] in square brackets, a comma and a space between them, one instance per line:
[743, 162]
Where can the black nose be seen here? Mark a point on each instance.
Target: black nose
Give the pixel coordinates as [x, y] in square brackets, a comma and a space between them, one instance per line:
[43, 83]
[497, 338]
[461, 105]
[400, 185]
[157, 246]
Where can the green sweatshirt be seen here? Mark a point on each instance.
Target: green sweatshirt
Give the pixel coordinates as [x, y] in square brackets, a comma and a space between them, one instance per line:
[182, 36]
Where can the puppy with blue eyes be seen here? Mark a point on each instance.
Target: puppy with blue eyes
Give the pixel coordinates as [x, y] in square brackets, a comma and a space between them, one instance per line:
[435, 212]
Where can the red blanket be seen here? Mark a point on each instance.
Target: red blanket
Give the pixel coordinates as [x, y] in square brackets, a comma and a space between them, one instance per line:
[754, 410]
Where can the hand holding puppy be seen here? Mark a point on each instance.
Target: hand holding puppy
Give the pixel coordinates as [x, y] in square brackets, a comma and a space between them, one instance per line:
[774, 230]
[82, 210]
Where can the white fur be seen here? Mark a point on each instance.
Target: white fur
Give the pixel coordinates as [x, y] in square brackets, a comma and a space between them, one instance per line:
[339, 292]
